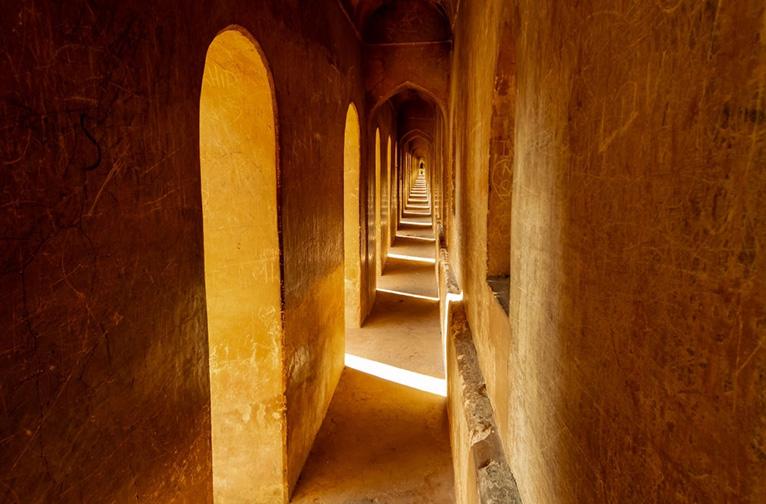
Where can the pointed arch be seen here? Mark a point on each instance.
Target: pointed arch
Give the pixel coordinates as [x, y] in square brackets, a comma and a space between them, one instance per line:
[402, 86]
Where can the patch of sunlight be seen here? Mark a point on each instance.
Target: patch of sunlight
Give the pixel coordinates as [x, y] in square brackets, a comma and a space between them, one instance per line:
[412, 237]
[412, 258]
[451, 298]
[410, 379]
[408, 294]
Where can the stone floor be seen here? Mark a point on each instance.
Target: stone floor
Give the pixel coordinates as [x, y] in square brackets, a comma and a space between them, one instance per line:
[382, 441]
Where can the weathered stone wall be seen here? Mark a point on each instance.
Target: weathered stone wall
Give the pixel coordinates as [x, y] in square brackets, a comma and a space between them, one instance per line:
[322, 80]
[105, 387]
[631, 368]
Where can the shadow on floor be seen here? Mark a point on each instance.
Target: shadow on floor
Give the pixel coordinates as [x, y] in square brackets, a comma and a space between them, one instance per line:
[406, 229]
[380, 442]
[416, 247]
[402, 332]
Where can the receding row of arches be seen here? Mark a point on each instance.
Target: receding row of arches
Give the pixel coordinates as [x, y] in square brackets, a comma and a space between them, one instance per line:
[240, 180]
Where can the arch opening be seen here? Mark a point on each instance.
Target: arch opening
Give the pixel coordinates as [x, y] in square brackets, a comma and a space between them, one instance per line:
[353, 268]
[238, 174]
[390, 220]
[378, 193]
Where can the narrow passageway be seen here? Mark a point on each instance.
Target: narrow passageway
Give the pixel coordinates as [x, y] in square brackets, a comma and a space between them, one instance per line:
[385, 437]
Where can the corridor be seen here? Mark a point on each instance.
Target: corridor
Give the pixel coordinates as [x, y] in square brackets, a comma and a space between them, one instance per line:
[385, 437]
[383, 251]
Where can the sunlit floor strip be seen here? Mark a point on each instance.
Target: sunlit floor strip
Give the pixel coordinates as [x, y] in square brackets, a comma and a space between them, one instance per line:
[413, 237]
[412, 223]
[408, 294]
[405, 257]
[397, 375]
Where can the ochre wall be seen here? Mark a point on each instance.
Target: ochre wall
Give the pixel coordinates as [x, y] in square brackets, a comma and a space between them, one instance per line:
[238, 172]
[631, 368]
[352, 223]
[105, 386]
[322, 79]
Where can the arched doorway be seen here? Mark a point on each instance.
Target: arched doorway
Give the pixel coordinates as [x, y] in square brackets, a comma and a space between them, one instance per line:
[351, 218]
[390, 221]
[238, 163]
[378, 194]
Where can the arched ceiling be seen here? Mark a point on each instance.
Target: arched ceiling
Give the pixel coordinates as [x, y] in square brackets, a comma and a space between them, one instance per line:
[418, 146]
[414, 110]
[391, 21]
[411, 97]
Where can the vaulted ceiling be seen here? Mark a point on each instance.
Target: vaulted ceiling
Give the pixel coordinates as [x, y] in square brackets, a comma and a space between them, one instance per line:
[392, 21]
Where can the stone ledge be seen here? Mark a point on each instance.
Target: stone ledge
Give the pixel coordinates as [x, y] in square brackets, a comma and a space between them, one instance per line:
[494, 479]
[501, 290]
[445, 272]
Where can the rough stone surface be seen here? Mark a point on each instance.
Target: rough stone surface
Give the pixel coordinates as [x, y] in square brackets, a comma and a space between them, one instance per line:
[484, 475]
[631, 366]
[105, 379]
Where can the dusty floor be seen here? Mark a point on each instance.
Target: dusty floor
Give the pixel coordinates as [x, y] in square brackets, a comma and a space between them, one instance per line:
[383, 441]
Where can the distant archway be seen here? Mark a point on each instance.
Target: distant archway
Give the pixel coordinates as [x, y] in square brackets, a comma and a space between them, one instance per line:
[351, 218]
[238, 163]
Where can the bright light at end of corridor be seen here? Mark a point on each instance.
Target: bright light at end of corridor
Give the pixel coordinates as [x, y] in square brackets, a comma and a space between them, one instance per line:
[397, 375]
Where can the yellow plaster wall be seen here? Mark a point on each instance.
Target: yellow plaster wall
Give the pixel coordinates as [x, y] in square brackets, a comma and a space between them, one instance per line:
[242, 275]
